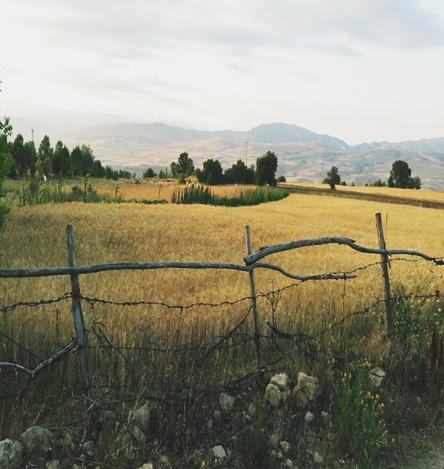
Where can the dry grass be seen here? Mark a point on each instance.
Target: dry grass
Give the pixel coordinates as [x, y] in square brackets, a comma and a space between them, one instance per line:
[35, 237]
[422, 194]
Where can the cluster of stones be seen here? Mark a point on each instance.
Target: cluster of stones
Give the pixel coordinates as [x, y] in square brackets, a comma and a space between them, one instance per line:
[41, 448]
[278, 392]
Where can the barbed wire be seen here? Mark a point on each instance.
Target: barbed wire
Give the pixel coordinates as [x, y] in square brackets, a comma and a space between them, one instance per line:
[234, 337]
[35, 303]
[336, 275]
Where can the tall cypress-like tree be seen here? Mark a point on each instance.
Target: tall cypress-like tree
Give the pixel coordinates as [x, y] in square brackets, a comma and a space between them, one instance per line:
[266, 167]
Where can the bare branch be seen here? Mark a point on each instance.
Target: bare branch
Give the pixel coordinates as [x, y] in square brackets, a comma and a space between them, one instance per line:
[304, 278]
[266, 251]
[32, 373]
[91, 269]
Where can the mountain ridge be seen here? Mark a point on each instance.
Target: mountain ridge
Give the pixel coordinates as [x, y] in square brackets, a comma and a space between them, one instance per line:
[304, 156]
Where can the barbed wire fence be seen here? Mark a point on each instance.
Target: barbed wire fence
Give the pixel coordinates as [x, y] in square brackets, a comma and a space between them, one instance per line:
[246, 330]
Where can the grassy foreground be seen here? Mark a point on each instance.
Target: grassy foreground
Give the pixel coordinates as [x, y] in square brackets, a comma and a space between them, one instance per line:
[177, 357]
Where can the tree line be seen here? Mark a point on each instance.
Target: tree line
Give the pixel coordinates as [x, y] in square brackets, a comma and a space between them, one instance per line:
[58, 161]
[264, 173]
[400, 176]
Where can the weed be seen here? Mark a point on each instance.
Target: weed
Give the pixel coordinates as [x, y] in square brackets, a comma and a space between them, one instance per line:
[359, 429]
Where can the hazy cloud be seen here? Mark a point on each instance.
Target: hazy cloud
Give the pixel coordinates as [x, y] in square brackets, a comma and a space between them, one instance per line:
[310, 56]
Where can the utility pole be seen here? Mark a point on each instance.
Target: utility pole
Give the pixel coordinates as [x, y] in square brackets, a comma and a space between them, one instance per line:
[246, 154]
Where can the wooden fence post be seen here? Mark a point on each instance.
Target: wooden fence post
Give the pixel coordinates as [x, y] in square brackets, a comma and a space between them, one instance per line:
[257, 327]
[79, 323]
[385, 274]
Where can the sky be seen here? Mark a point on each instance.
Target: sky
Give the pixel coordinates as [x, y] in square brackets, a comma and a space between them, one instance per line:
[359, 70]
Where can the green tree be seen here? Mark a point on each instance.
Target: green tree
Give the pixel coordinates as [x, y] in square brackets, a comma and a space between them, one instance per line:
[44, 157]
[211, 173]
[415, 183]
[401, 176]
[266, 167]
[333, 178]
[183, 168]
[24, 156]
[30, 157]
[149, 173]
[77, 161]
[6, 160]
[240, 174]
[88, 160]
[61, 162]
[19, 166]
[98, 171]
[110, 173]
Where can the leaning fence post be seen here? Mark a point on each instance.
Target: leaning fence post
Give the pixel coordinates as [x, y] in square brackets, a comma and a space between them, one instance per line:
[257, 331]
[79, 323]
[385, 273]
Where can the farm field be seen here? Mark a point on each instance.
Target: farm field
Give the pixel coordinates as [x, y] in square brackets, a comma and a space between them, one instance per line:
[106, 233]
[35, 237]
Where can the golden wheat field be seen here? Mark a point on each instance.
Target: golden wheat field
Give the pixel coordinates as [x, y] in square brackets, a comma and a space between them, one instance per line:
[35, 237]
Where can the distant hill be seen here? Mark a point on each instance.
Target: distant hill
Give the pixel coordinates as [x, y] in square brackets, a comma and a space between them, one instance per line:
[304, 156]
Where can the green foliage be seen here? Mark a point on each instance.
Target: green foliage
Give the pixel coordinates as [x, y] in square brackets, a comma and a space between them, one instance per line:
[281, 179]
[44, 157]
[378, 183]
[193, 195]
[239, 174]
[359, 429]
[255, 445]
[401, 176]
[5, 155]
[200, 195]
[110, 173]
[333, 178]
[18, 155]
[4, 210]
[6, 161]
[211, 173]
[149, 173]
[61, 164]
[38, 192]
[266, 167]
[183, 168]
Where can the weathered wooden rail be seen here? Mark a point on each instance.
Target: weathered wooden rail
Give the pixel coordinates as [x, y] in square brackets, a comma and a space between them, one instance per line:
[251, 263]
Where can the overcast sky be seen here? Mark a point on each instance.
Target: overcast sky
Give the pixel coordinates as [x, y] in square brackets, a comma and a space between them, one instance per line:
[360, 70]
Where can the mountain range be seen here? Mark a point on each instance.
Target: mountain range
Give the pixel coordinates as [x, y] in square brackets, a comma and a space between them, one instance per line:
[303, 156]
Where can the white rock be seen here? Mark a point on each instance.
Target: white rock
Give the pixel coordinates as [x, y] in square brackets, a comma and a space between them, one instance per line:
[281, 380]
[142, 418]
[219, 452]
[306, 390]
[11, 453]
[273, 395]
[226, 402]
[251, 410]
[38, 442]
[285, 445]
[377, 375]
[317, 458]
